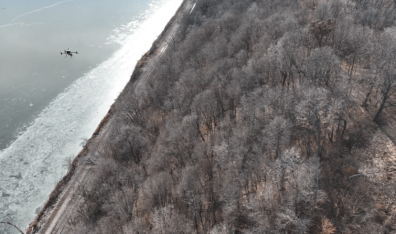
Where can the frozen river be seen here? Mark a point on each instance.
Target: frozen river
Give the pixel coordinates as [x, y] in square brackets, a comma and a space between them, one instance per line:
[50, 104]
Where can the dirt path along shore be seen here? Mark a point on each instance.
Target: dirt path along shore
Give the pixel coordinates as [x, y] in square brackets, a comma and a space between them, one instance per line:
[55, 220]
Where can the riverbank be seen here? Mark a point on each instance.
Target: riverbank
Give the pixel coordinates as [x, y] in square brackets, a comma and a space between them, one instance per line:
[66, 187]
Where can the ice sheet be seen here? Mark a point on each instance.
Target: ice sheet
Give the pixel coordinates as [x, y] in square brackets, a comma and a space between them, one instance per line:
[34, 163]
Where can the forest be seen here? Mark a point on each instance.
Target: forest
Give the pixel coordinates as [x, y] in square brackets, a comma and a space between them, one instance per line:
[262, 116]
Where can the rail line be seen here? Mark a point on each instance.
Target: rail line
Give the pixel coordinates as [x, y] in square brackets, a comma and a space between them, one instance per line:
[57, 221]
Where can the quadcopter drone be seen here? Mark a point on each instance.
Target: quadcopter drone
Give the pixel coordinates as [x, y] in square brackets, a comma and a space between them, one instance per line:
[69, 53]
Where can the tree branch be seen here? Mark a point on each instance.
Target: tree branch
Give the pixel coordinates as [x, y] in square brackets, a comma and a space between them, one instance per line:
[9, 223]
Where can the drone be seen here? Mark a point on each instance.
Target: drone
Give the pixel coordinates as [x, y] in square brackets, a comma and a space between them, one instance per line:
[68, 53]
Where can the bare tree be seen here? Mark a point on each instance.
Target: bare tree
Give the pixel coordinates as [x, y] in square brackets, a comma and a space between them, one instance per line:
[277, 134]
[352, 43]
[322, 67]
[285, 56]
[219, 138]
[314, 112]
[299, 178]
[386, 72]
[207, 108]
[321, 29]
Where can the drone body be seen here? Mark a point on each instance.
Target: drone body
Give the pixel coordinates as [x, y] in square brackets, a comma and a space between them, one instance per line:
[69, 53]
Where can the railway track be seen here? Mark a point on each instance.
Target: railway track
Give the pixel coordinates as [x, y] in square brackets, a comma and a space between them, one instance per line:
[58, 219]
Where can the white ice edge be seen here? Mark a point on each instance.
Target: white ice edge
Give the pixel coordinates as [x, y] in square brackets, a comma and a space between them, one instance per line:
[33, 164]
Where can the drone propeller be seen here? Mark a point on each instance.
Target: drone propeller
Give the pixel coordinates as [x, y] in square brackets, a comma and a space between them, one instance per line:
[68, 52]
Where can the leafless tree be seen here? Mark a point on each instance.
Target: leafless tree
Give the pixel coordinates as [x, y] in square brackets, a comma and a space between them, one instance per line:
[314, 112]
[220, 137]
[322, 67]
[321, 29]
[385, 71]
[277, 134]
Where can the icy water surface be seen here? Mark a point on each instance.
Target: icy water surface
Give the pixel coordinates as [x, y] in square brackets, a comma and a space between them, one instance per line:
[63, 99]
[32, 35]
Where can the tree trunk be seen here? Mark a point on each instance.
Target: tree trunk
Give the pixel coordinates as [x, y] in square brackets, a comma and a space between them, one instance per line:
[284, 75]
[312, 210]
[381, 108]
[332, 134]
[318, 135]
[364, 104]
[352, 66]
[277, 152]
[343, 129]
[200, 134]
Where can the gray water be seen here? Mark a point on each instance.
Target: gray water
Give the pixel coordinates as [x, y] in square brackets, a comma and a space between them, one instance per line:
[48, 103]
[32, 35]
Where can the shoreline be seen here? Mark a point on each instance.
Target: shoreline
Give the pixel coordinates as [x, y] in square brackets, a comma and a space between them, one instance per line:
[57, 196]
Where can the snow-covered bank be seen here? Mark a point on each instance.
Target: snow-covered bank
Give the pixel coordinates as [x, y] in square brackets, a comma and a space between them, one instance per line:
[33, 164]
